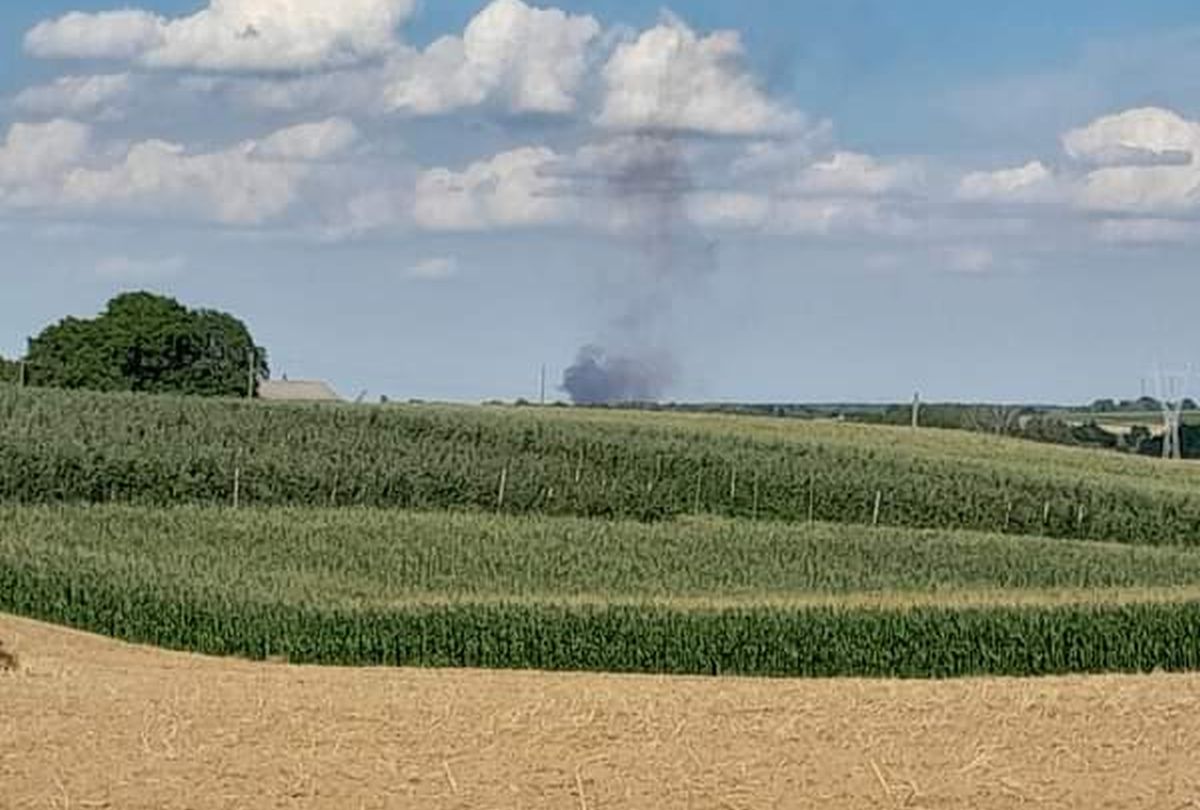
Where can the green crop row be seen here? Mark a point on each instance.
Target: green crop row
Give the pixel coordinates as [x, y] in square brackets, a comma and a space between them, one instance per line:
[825, 642]
[78, 447]
[367, 556]
[362, 587]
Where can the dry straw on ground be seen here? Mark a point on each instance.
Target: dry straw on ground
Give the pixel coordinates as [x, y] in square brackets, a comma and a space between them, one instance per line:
[87, 722]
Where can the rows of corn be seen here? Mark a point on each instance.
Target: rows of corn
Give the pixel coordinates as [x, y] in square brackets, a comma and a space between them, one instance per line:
[365, 587]
[779, 641]
[292, 554]
[71, 447]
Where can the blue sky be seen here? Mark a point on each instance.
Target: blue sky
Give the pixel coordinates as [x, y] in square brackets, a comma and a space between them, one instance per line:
[983, 201]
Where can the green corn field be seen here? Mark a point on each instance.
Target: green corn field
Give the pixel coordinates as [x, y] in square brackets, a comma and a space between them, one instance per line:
[363, 555]
[591, 540]
[67, 447]
[366, 586]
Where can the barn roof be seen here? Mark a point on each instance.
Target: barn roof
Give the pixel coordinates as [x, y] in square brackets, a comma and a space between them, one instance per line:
[297, 391]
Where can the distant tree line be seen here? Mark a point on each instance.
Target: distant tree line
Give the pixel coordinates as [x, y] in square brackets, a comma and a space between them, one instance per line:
[146, 343]
[1044, 424]
[1139, 405]
[1032, 422]
[772, 409]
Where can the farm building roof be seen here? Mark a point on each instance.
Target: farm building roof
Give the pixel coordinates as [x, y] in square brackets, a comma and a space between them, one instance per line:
[297, 391]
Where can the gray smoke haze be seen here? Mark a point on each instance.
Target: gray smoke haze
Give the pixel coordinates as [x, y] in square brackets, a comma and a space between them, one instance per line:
[597, 379]
[644, 181]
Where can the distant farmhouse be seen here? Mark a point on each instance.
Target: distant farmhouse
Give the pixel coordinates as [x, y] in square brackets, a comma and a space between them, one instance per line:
[297, 391]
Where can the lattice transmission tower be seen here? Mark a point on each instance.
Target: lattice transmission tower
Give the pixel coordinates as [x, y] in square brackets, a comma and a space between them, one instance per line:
[1170, 389]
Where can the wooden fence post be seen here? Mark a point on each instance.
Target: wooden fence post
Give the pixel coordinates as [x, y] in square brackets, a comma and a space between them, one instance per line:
[812, 498]
[237, 478]
[755, 512]
[503, 487]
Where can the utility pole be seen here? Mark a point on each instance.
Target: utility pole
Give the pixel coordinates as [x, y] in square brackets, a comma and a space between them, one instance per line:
[251, 372]
[916, 410]
[543, 379]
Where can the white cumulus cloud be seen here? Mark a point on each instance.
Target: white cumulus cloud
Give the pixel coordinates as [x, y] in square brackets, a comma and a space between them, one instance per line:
[57, 167]
[856, 174]
[77, 96]
[158, 178]
[786, 156]
[1144, 159]
[35, 158]
[36, 151]
[125, 34]
[513, 188]
[1146, 135]
[533, 59]
[315, 141]
[1135, 171]
[511, 56]
[1032, 182]
[229, 35]
[1142, 189]
[672, 78]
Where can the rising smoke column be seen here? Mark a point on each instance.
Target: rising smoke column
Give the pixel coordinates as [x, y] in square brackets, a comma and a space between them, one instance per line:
[644, 179]
[596, 378]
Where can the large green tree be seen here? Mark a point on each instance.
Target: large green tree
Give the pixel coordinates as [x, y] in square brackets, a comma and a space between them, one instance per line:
[150, 343]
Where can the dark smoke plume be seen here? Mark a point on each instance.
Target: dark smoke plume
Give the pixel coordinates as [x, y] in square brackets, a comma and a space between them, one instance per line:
[644, 179]
[597, 379]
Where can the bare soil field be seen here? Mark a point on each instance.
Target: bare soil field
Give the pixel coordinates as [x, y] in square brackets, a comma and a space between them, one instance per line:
[90, 723]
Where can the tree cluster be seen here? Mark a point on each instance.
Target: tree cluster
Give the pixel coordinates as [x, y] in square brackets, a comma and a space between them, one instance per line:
[149, 343]
[1139, 405]
[10, 371]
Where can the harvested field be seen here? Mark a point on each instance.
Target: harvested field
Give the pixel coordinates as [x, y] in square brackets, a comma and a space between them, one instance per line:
[90, 723]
